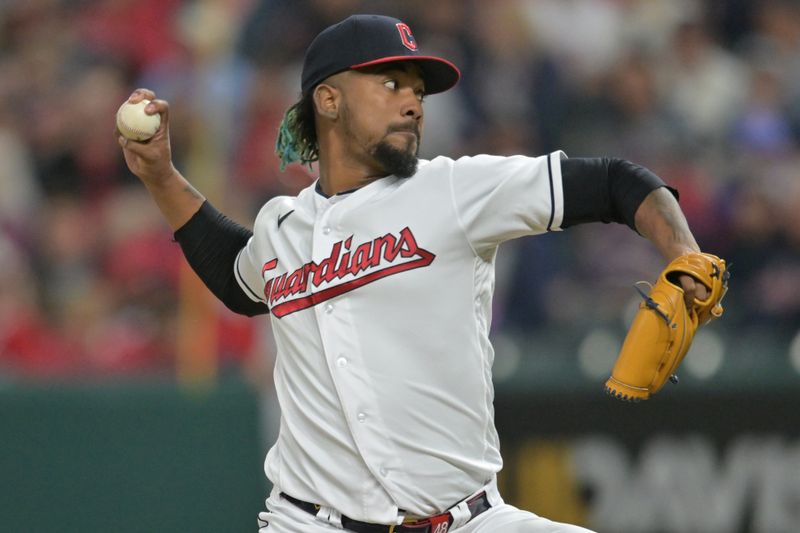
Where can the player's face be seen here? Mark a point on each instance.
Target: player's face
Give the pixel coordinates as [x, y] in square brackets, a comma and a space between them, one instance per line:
[382, 116]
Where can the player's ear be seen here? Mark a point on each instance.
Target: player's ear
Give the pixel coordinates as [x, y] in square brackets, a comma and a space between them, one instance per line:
[327, 99]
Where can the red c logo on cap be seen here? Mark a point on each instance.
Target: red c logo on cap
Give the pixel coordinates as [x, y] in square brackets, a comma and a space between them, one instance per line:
[406, 36]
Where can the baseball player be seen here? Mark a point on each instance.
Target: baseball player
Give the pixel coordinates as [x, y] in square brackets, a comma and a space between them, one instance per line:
[379, 280]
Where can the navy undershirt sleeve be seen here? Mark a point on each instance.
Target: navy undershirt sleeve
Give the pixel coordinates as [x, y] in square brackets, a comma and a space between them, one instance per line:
[210, 242]
[605, 190]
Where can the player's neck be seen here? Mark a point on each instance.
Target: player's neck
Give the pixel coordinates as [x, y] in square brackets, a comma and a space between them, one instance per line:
[339, 173]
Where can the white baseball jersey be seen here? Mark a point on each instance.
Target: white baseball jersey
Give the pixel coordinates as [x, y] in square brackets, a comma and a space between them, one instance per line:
[381, 304]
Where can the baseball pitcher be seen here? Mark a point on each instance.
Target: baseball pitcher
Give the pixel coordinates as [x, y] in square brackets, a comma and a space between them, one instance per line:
[379, 276]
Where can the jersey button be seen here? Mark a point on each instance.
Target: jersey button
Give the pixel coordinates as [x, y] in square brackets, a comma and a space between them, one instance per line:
[384, 472]
[326, 230]
[362, 417]
[341, 362]
[329, 308]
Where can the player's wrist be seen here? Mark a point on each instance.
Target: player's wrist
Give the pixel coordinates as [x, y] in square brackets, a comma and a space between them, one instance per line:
[677, 250]
[163, 178]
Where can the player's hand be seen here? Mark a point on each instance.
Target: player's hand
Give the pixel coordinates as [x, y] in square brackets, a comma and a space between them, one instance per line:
[151, 160]
[692, 289]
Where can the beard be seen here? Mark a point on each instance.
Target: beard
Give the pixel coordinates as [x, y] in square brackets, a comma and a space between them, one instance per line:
[401, 163]
[397, 161]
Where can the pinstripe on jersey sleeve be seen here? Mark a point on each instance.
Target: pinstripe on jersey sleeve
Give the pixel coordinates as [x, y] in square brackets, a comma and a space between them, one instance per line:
[556, 190]
[247, 273]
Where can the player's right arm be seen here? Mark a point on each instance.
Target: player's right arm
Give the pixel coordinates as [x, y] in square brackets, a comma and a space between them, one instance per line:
[209, 240]
[151, 162]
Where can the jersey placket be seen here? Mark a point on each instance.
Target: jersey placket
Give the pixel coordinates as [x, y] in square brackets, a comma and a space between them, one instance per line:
[344, 357]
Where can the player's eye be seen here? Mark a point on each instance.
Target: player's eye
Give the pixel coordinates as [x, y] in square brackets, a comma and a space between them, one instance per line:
[394, 85]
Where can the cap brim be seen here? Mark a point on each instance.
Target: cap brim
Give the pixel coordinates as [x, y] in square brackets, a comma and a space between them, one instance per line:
[439, 74]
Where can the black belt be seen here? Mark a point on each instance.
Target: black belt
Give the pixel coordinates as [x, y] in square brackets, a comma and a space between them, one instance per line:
[433, 524]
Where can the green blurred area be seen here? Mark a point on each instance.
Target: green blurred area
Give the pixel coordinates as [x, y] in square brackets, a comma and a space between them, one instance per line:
[721, 360]
[130, 457]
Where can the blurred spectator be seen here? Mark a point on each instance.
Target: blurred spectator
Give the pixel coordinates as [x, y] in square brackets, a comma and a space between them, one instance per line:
[764, 248]
[28, 346]
[138, 33]
[703, 84]
[775, 44]
[583, 35]
[763, 126]
[19, 191]
[519, 95]
[256, 170]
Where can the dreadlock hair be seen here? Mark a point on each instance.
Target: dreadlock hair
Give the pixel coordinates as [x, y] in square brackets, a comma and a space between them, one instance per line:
[297, 134]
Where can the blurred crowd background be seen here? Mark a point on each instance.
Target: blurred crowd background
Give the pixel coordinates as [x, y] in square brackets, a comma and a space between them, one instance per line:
[705, 93]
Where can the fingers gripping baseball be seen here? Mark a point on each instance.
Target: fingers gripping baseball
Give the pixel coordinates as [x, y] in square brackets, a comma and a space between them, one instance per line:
[150, 160]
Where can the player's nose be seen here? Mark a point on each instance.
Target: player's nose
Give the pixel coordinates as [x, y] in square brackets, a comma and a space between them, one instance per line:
[411, 106]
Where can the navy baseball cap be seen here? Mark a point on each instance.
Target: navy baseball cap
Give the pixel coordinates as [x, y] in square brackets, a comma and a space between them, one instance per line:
[363, 40]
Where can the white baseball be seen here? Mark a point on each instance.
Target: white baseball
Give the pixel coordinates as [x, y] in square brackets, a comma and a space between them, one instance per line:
[133, 123]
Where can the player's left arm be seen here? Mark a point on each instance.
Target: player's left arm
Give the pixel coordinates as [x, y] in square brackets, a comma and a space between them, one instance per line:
[660, 219]
[616, 190]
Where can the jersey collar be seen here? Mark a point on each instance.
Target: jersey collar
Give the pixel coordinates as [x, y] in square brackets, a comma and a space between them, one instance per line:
[318, 189]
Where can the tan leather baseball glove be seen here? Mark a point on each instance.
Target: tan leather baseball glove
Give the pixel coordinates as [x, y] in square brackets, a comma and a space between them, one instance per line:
[663, 328]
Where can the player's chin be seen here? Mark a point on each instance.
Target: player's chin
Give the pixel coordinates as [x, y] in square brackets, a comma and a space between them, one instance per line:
[405, 144]
[401, 162]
